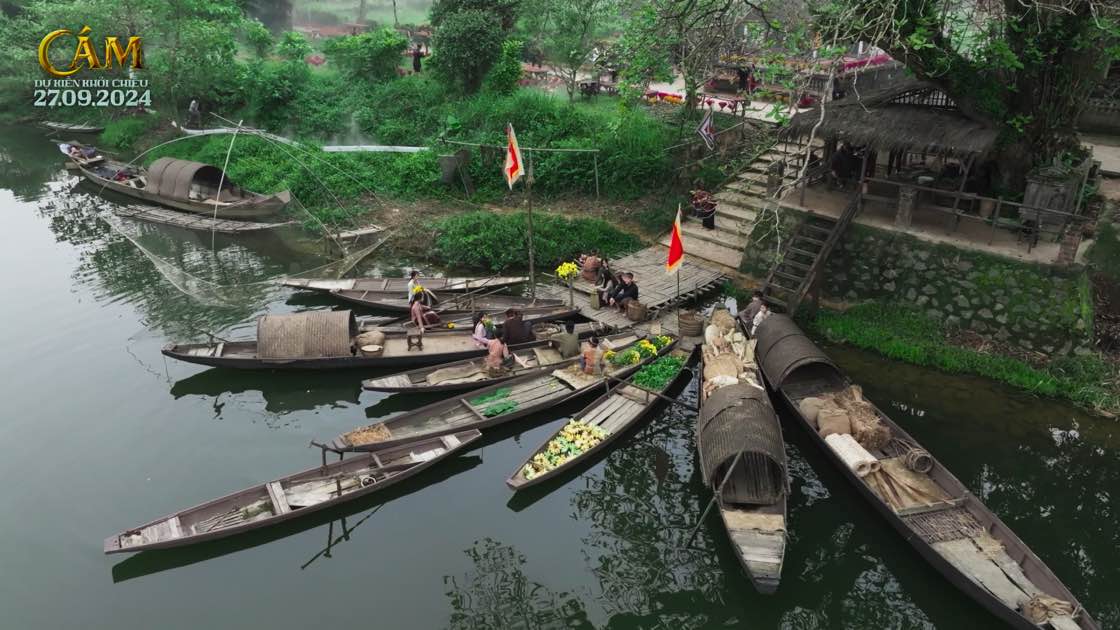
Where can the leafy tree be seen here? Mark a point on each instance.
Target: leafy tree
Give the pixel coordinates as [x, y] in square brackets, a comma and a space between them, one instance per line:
[1024, 66]
[293, 45]
[466, 45]
[373, 55]
[259, 37]
[567, 30]
[505, 10]
[506, 73]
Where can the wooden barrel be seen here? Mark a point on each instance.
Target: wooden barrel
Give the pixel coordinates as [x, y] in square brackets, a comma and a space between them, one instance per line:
[636, 311]
[690, 324]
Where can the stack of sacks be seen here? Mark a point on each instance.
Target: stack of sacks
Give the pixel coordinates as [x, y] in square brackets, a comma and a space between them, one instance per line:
[847, 412]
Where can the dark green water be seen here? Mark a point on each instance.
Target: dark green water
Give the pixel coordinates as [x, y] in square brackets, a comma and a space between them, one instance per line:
[100, 434]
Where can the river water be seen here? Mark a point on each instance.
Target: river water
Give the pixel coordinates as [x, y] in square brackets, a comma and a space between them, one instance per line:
[100, 434]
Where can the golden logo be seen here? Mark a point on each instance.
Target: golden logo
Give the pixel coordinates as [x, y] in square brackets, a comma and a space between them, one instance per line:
[85, 55]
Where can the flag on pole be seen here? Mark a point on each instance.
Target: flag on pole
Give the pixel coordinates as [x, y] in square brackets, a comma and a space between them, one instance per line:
[514, 167]
[707, 130]
[676, 246]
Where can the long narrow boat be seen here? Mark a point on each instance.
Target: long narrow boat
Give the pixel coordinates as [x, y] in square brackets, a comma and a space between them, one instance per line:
[450, 305]
[487, 407]
[290, 497]
[743, 460]
[951, 528]
[187, 186]
[89, 156]
[400, 285]
[72, 127]
[471, 374]
[329, 340]
[607, 418]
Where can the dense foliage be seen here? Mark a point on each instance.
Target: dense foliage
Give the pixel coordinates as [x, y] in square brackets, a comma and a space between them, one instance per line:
[467, 43]
[906, 334]
[503, 78]
[372, 56]
[486, 240]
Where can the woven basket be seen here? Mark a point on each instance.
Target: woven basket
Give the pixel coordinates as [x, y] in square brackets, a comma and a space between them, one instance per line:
[690, 324]
[636, 311]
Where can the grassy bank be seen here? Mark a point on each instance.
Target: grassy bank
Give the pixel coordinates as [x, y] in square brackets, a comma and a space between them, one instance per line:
[904, 334]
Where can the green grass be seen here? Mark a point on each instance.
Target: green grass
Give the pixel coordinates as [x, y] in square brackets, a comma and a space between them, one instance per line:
[904, 334]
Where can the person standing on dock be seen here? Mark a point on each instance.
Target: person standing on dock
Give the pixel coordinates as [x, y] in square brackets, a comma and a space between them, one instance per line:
[195, 114]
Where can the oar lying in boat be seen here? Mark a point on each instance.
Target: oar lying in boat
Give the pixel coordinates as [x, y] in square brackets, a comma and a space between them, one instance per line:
[290, 497]
[468, 374]
[596, 426]
[487, 407]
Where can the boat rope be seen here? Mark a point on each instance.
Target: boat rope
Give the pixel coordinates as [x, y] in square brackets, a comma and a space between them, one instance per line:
[221, 182]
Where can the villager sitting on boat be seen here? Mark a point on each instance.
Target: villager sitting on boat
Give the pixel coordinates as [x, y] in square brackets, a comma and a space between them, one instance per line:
[413, 282]
[748, 313]
[591, 358]
[483, 330]
[420, 314]
[567, 342]
[514, 329]
[763, 313]
[625, 293]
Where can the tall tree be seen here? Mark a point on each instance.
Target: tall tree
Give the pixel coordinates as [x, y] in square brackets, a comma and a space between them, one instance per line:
[567, 32]
[466, 44]
[1024, 66]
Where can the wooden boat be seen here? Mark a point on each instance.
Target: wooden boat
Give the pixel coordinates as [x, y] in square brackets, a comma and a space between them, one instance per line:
[470, 374]
[187, 186]
[72, 127]
[743, 460]
[89, 158]
[450, 305]
[615, 413]
[328, 340]
[482, 408]
[400, 285]
[290, 497]
[949, 526]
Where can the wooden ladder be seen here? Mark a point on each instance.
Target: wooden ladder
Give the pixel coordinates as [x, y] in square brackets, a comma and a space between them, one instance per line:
[805, 255]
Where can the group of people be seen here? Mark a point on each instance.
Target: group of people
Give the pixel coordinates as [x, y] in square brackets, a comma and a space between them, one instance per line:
[614, 290]
[755, 312]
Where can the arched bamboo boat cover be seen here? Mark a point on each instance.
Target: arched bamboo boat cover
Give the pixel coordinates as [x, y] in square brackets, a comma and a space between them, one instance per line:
[782, 348]
[172, 178]
[739, 419]
[312, 335]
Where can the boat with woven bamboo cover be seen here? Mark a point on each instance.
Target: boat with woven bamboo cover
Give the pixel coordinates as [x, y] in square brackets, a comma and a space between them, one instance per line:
[331, 340]
[487, 407]
[610, 416]
[471, 373]
[453, 304]
[291, 497]
[742, 457]
[187, 186]
[400, 285]
[949, 526]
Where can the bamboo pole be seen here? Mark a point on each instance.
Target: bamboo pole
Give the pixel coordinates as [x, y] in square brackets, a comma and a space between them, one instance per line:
[529, 194]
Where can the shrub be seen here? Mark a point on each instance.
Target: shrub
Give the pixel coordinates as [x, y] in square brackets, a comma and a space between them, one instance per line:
[124, 132]
[293, 46]
[468, 43]
[258, 37]
[486, 240]
[503, 78]
[371, 56]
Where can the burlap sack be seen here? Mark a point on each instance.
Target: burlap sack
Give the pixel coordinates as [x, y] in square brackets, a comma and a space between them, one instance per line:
[810, 407]
[724, 320]
[372, 338]
[832, 420]
[722, 365]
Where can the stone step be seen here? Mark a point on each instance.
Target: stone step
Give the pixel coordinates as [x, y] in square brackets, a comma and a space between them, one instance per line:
[745, 216]
[725, 233]
[706, 250]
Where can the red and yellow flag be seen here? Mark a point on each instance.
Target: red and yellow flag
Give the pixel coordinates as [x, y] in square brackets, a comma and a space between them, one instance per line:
[514, 167]
[676, 246]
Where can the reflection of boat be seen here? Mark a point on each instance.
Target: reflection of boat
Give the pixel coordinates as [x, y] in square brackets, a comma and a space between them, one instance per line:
[956, 533]
[743, 461]
[187, 186]
[149, 562]
[470, 374]
[329, 340]
[290, 497]
[615, 412]
[451, 305]
[485, 407]
[72, 127]
[400, 285]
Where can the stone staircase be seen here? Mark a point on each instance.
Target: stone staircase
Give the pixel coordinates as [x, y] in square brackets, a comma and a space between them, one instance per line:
[738, 205]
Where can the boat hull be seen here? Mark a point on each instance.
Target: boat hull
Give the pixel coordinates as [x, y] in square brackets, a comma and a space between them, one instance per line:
[438, 285]
[257, 208]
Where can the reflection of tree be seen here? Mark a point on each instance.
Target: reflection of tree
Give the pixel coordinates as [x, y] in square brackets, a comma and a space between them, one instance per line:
[642, 509]
[497, 594]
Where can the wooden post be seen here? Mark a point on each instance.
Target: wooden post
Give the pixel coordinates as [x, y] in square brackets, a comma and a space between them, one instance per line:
[960, 191]
[596, 157]
[995, 217]
[862, 180]
[529, 192]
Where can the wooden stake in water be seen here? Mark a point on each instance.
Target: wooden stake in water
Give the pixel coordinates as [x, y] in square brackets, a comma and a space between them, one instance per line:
[529, 193]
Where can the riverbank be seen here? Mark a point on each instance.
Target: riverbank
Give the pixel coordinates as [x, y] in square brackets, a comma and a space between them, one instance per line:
[906, 334]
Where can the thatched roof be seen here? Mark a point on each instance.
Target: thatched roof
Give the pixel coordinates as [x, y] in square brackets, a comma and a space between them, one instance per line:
[909, 114]
[311, 335]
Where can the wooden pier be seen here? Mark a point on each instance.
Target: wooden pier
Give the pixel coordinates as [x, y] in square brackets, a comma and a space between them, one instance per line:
[192, 221]
[657, 290]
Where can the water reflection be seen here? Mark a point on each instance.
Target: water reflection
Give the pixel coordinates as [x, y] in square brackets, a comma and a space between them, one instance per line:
[283, 392]
[496, 593]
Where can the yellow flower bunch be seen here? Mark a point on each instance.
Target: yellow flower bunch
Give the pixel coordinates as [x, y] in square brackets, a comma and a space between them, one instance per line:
[576, 438]
[451, 325]
[646, 349]
[608, 355]
[567, 270]
[417, 289]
